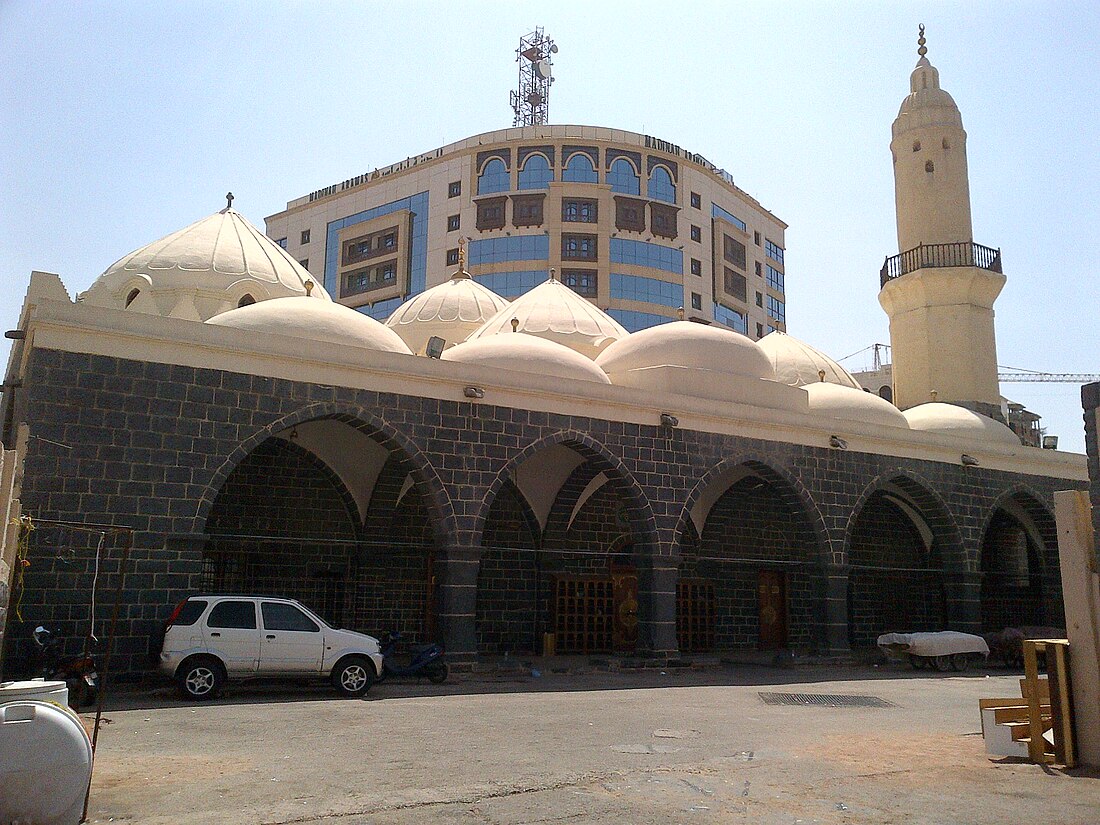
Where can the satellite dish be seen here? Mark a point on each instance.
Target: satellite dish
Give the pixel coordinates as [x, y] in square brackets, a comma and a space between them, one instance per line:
[542, 69]
[554, 49]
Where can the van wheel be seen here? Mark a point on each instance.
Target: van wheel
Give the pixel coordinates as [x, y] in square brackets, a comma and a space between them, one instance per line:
[353, 676]
[200, 678]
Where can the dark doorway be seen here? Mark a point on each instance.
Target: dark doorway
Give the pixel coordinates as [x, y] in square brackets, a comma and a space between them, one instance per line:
[772, 590]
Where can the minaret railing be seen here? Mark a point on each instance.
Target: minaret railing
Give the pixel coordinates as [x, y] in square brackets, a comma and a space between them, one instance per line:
[931, 256]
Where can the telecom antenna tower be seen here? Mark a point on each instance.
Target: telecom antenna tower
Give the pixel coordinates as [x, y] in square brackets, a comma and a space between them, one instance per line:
[531, 101]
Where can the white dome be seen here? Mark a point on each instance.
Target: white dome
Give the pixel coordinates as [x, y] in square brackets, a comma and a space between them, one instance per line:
[452, 310]
[836, 401]
[202, 270]
[555, 312]
[526, 353]
[316, 320]
[797, 363]
[953, 420]
[687, 344]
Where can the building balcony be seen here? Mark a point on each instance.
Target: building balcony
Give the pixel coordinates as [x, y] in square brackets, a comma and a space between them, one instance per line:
[931, 256]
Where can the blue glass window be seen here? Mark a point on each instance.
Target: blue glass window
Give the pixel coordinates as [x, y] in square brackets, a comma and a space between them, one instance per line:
[634, 321]
[493, 178]
[651, 255]
[717, 211]
[281, 242]
[777, 310]
[731, 318]
[499, 250]
[649, 290]
[661, 187]
[383, 309]
[512, 284]
[775, 279]
[623, 178]
[536, 173]
[772, 251]
[579, 169]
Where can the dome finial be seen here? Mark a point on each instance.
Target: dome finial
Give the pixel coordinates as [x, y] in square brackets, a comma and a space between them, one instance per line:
[922, 50]
[553, 274]
[308, 284]
[228, 200]
[461, 273]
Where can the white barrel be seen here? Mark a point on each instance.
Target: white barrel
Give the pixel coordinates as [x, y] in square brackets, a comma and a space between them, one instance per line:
[35, 689]
[45, 764]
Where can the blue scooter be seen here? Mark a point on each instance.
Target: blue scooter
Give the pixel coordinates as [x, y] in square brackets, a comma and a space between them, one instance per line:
[427, 661]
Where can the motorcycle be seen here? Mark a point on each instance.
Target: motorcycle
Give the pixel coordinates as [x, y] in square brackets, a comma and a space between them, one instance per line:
[78, 673]
[427, 661]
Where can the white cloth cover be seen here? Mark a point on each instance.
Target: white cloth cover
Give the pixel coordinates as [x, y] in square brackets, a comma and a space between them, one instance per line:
[943, 643]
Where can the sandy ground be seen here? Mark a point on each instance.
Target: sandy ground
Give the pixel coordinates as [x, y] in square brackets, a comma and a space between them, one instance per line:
[691, 747]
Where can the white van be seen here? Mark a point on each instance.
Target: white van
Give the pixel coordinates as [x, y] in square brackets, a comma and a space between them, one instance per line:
[210, 639]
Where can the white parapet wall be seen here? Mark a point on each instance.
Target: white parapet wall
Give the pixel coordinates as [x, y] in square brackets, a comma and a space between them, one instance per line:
[1081, 591]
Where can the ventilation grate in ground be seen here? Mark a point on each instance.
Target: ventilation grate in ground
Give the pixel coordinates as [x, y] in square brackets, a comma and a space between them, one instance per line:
[825, 700]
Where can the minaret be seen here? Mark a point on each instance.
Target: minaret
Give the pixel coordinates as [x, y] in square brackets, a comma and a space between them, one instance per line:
[939, 290]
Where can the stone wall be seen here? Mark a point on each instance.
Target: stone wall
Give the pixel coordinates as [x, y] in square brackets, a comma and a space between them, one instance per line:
[150, 446]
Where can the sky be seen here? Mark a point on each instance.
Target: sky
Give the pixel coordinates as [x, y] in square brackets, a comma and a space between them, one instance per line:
[121, 122]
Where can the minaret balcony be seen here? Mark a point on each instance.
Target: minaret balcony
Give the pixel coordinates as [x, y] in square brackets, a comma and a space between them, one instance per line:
[931, 256]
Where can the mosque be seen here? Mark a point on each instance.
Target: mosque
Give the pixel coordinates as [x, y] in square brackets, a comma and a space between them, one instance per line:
[526, 475]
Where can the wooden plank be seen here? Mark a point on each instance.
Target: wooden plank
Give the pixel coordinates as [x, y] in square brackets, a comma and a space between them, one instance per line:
[1036, 749]
[1061, 707]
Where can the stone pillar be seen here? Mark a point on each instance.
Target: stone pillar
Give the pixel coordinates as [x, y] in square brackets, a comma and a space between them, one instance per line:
[963, 591]
[836, 609]
[456, 601]
[658, 579]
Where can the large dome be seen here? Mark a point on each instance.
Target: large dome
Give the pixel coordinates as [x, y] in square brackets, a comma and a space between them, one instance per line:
[959, 421]
[555, 312]
[836, 401]
[316, 320]
[690, 345]
[202, 270]
[527, 353]
[691, 359]
[797, 363]
[452, 310]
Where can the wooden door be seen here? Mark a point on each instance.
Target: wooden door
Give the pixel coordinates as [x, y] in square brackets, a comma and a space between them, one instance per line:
[772, 593]
[624, 625]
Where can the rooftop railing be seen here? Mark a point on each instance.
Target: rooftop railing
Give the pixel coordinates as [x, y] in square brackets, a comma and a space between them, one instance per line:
[930, 256]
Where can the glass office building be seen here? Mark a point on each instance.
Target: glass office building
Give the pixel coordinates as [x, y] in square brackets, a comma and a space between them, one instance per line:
[636, 224]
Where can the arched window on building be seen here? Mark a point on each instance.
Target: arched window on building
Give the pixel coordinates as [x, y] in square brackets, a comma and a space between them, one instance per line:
[246, 300]
[132, 296]
[623, 178]
[493, 178]
[887, 392]
[536, 173]
[579, 169]
[661, 187]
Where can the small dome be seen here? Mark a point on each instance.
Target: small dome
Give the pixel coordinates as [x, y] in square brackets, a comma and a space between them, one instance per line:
[315, 320]
[687, 344]
[452, 310]
[797, 363]
[213, 265]
[842, 402]
[555, 312]
[954, 420]
[527, 353]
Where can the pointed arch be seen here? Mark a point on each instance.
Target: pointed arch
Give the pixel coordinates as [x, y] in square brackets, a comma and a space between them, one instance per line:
[425, 477]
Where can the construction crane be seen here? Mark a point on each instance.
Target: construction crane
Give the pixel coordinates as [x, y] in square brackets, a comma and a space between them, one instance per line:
[1018, 375]
[1030, 376]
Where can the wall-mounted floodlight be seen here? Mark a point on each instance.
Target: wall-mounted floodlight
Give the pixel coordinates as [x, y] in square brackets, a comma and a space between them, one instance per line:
[435, 347]
[473, 392]
[16, 334]
[669, 420]
[969, 460]
[838, 442]
[1050, 442]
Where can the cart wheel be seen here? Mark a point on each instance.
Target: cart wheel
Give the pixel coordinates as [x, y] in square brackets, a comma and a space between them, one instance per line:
[942, 663]
[917, 662]
[960, 661]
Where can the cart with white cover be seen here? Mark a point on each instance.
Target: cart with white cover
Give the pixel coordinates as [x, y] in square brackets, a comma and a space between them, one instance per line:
[944, 650]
